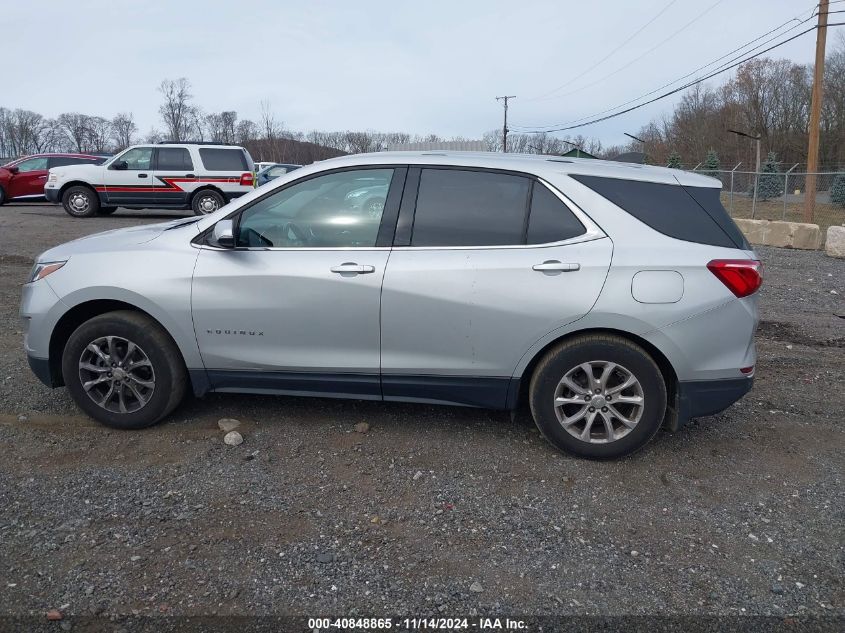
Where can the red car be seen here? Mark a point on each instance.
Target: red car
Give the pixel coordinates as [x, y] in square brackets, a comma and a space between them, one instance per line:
[25, 177]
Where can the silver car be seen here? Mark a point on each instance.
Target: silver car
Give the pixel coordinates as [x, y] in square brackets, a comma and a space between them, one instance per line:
[611, 298]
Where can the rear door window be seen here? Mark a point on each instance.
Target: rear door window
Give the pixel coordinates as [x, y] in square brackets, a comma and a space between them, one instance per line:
[174, 159]
[63, 161]
[692, 214]
[458, 207]
[550, 219]
[220, 159]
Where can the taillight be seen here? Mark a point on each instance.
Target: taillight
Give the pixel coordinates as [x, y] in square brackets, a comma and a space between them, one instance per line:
[742, 276]
[246, 179]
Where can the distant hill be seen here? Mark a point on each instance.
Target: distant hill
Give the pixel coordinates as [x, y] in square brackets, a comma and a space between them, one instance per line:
[288, 150]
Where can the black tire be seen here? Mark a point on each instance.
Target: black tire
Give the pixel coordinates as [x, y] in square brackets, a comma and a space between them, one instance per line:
[204, 199]
[107, 210]
[598, 348]
[2, 195]
[81, 201]
[167, 369]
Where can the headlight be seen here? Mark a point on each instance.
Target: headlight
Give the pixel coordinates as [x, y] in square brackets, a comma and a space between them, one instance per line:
[52, 178]
[42, 269]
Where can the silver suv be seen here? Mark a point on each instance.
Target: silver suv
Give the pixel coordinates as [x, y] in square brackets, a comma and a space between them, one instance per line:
[611, 298]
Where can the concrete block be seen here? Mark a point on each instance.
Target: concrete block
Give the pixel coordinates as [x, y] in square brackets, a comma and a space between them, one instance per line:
[835, 242]
[781, 234]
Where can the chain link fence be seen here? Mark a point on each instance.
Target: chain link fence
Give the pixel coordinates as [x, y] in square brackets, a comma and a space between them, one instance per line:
[781, 195]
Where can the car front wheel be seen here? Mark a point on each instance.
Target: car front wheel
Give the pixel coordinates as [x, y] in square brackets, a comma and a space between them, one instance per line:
[81, 202]
[598, 396]
[123, 370]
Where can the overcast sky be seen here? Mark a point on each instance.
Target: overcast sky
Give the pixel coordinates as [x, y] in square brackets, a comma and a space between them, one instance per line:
[418, 67]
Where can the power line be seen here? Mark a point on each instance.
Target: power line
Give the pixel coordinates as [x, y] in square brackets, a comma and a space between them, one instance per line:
[700, 68]
[684, 87]
[636, 59]
[606, 57]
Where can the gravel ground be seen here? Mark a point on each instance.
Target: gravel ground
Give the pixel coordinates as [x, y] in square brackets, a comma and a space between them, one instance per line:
[429, 510]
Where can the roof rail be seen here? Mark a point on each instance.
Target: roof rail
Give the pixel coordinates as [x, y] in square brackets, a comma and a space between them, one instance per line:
[196, 143]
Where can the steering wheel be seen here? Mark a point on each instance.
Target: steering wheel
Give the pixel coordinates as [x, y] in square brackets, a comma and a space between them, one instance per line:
[297, 233]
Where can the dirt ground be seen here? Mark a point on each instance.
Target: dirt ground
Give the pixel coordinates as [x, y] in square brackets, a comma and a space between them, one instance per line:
[432, 510]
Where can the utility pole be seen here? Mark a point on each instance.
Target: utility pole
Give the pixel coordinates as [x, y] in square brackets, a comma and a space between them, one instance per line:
[815, 114]
[505, 126]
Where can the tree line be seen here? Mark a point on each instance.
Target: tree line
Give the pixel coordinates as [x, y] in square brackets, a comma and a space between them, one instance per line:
[769, 97]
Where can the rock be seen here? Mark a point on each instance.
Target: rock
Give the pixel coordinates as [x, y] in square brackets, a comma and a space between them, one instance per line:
[65, 625]
[54, 614]
[325, 558]
[362, 427]
[417, 475]
[777, 589]
[135, 559]
[476, 587]
[634, 553]
[22, 418]
[228, 424]
[834, 245]
[233, 438]
[782, 234]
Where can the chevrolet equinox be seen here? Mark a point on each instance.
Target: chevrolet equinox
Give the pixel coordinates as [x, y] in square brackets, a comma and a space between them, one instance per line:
[611, 298]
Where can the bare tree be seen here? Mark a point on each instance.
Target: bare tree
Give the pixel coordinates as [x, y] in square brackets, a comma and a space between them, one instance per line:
[99, 134]
[179, 116]
[246, 131]
[76, 128]
[123, 130]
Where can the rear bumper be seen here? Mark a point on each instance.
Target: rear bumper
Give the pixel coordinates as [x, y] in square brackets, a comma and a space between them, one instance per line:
[52, 195]
[698, 398]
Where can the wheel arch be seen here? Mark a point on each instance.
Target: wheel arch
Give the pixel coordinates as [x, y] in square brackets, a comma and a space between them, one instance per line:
[206, 187]
[519, 391]
[76, 183]
[79, 314]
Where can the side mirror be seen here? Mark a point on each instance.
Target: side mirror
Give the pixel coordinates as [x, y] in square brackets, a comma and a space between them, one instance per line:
[223, 235]
[13, 170]
[120, 164]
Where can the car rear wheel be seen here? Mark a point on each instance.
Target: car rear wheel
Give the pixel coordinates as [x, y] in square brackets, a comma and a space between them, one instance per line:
[124, 370]
[2, 195]
[206, 201]
[598, 396]
[81, 202]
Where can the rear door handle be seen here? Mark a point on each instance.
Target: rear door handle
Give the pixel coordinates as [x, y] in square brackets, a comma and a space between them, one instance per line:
[351, 267]
[555, 265]
[142, 175]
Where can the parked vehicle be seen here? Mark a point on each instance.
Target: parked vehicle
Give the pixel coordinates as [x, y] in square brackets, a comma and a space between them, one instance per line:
[610, 299]
[198, 176]
[262, 165]
[273, 171]
[25, 177]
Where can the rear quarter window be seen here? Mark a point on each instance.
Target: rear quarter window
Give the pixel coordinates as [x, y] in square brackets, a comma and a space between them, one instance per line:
[692, 214]
[219, 159]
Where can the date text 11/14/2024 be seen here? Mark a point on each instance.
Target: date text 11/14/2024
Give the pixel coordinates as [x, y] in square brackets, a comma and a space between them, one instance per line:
[417, 624]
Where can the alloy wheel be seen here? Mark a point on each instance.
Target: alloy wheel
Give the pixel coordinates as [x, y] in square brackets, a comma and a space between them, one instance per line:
[599, 402]
[116, 374]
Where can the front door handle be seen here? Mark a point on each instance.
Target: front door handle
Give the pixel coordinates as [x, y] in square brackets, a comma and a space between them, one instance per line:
[554, 265]
[352, 267]
[142, 175]
[190, 175]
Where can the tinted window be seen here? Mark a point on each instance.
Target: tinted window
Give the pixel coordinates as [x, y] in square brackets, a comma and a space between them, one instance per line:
[671, 209]
[550, 220]
[174, 158]
[217, 159]
[342, 209]
[469, 208]
[61, 161]
[32, 164]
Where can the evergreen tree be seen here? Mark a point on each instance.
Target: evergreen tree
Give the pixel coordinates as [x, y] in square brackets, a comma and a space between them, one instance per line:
[837, 191]
[674, 160]
[770, 182]
[711, 163]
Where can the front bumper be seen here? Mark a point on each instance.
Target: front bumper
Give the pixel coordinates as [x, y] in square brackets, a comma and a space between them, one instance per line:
[52, 195]
[41, 368]
[697, 398]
